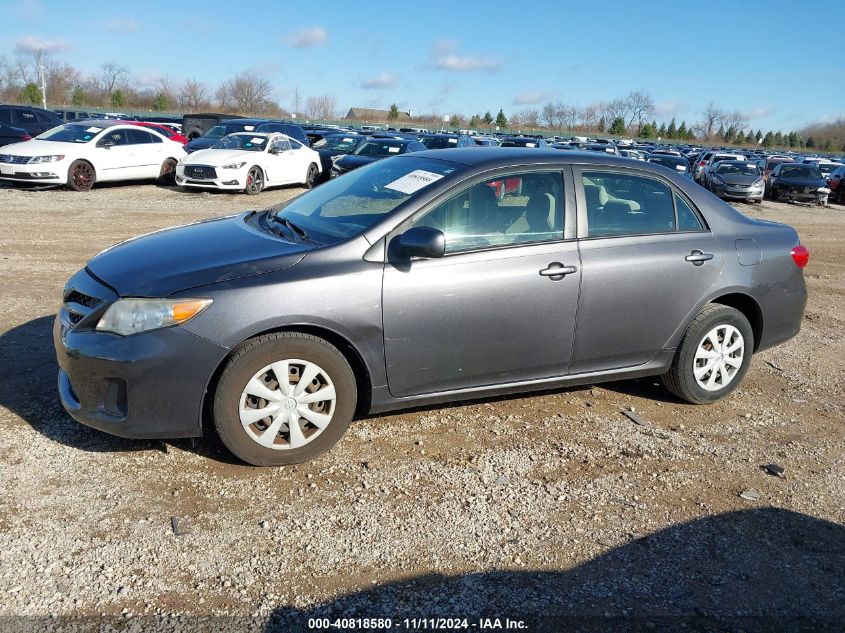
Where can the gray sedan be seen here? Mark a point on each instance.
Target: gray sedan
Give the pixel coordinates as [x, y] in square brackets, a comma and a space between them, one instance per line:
[407, 282]
[737, 180]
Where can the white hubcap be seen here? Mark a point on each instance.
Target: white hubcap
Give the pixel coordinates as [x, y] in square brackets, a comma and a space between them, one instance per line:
[718, 357]
[287, 404]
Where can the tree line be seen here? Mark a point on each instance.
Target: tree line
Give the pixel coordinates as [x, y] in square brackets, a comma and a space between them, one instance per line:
[114, 86]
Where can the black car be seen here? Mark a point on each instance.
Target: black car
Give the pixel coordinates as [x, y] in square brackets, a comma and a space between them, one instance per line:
[524, 141]
[678, 163]
[374, 149]
[9, 135]
[230, 126]
[332, 147]
[447, 141]
[197, 124]
[77, 115]
[797, 182]
[605, 148]
[33, 120]
[485, 141]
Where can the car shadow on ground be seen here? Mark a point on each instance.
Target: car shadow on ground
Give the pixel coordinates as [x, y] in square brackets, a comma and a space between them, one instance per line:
[28, 372]
[765, 569]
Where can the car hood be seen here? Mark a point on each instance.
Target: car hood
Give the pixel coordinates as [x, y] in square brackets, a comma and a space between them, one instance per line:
[218, 156]
[351, 161]
[40, 148]
[802, 182]
[200, 143]
[739, 179]
[161, 263]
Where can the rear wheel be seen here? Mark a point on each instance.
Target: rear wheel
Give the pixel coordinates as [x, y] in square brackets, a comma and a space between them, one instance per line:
[81, 175]
[312, 176]
[713, 356]
[167, 174]
[284, 398]
[254, 181]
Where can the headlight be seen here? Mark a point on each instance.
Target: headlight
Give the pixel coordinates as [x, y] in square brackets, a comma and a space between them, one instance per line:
[179, 162]
[132, 316]
[233, 166]
[45, 159]
[758, 184]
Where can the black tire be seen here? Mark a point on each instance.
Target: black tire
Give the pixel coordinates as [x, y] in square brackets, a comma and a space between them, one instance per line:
[81, 175]
[312, 176]
[260, 352]
[680, 379]
[254, 181]
[167, 174]
[774, 195]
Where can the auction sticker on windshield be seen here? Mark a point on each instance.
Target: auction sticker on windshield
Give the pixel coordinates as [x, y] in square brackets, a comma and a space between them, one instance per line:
[413, 182]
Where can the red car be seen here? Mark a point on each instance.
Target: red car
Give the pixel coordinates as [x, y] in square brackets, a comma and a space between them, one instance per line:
[834, 183]
[164, 131]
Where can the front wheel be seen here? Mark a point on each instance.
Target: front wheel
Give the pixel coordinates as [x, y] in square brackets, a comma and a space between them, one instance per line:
[81, 175]
[284, 398]
[713, 356]
[254, 181]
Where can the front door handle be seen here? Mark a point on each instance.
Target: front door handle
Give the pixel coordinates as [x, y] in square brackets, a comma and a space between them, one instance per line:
[557, 271]
[698, 258]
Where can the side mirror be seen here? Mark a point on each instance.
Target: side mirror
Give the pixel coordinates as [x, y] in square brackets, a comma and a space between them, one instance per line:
[420, 241]
[275, 151]
[108, 144]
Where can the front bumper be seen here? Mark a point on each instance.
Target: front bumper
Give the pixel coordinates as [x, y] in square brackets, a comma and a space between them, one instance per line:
[227, 179]
[148, 385]
[735, 193]
[54, 173]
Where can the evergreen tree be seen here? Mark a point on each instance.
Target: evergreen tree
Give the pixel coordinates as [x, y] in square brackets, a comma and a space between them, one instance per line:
[394, 112]
[601, 126]
[793, 139]
[455, 120]
[488, 118]
[31, 94]
[117, 99]
[474, 121]
[78, 97]
[730, 134]
[661, 131]
[501, 120]
[682, 131]
[758, 136]
[828, 146]
[690, 135]
[750, 139]
[810, 142]
[672, 131]
[778, 139]
[617, 126]
[646, 131]
[161, 102]
[721, 132]
[769, 139]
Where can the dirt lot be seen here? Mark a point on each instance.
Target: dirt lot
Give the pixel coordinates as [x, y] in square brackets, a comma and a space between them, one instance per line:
[555, 508]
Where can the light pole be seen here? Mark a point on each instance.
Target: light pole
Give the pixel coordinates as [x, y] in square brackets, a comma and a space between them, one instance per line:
[40, 62]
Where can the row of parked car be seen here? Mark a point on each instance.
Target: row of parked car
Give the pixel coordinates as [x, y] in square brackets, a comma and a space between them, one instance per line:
[215, 151]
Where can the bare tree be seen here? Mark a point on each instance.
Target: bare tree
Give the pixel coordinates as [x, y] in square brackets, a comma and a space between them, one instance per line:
[60, 78]
[322, 107]
[640, 106]
[529, 117]
[590, 116]
[113, 72]
[246, 93]
[192, 95]
[614, 109]
[711, 117]
[735, 119]
[549, 115]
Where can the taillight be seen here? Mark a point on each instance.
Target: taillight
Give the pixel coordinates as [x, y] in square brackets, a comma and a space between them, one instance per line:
[26, 137]
[800, 255]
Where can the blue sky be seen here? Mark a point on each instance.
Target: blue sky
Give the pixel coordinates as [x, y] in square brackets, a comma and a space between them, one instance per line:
[772, 61]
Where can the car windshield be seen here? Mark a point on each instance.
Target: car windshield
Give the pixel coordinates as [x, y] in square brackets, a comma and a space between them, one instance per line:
[73, 133]
[737, 169]
[380, 148]
[348, 205]
[826, 168]
[245, 142]
[340, 143]
[518, 143]
[799, 171]
[439, 142]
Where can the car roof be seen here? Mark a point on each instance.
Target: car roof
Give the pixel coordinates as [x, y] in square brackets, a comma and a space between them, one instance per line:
[507, 156]
[103, 123]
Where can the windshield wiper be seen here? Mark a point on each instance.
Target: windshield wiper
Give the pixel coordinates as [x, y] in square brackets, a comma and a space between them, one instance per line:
[293, 228]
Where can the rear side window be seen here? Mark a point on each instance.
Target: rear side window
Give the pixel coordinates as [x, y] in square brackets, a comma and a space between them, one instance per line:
[687, 218]
[25, 116]
[44, 118]
[624, 204]
[142, 137]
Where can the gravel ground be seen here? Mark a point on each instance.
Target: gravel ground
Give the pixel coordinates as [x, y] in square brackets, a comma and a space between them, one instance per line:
[555, 509]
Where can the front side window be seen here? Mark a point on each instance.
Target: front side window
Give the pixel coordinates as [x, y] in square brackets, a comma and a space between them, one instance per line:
[625, 204]
[506, 210]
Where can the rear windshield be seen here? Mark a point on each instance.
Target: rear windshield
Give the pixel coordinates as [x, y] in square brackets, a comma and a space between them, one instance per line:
[673, 162]
[340, 143]
[380, 148]
[440, 142]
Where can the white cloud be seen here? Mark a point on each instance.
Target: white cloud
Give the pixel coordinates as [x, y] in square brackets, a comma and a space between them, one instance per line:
[383, 81]
[531, 98]
[444, 57]
[758, 113]
[121, 25]
[669, 109]
[33, 43]
[306, 38]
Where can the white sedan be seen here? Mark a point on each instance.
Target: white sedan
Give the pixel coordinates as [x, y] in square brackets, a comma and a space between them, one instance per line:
[250, 161]
[82, 153]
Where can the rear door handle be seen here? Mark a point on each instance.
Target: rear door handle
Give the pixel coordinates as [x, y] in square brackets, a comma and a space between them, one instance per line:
[698, 258]
[557, 271]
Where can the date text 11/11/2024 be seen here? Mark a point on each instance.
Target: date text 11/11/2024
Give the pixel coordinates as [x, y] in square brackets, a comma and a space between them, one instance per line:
[418, 624]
